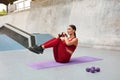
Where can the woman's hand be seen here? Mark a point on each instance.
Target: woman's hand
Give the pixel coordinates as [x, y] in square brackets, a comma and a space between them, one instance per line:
[62, 38]
[63, 34]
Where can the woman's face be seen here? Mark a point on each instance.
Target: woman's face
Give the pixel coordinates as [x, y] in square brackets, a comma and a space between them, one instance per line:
[70, 30]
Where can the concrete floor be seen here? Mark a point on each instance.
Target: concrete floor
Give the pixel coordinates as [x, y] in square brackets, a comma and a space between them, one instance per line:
[13, 66]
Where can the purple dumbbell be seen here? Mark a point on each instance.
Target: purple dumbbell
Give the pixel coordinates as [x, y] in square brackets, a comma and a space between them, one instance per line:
[92, 70]
[97, 69]
[88, 69]
[93, 67]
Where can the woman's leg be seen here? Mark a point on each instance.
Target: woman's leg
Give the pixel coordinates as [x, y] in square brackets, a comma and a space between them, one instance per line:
[51, 43]
[60, 53]
[55, 53]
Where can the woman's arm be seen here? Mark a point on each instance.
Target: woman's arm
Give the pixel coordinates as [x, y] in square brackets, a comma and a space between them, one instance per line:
[72, 42]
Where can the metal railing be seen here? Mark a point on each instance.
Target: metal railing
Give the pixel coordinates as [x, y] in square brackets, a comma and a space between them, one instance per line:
[24, 38]
[19, 6]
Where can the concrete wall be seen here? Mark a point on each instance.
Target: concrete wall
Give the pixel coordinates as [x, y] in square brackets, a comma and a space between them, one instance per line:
[18, 19]
[97, 21]
[52, 16]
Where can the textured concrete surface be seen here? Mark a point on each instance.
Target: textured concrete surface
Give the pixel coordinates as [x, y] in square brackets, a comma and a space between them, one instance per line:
[13, 66]
[97, 21]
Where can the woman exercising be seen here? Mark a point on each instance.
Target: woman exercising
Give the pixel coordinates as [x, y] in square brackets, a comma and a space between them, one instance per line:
[63, 45]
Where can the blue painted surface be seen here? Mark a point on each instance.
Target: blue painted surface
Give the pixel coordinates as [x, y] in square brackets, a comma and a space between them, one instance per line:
[7, 43]
[41, 38]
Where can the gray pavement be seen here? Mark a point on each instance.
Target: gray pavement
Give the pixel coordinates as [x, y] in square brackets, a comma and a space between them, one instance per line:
[13, 66]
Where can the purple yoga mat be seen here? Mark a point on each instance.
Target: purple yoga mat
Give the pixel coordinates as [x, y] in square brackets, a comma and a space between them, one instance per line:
[53, 63]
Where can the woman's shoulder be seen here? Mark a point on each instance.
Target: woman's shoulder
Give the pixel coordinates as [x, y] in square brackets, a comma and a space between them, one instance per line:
[75, 41]
[75, 38]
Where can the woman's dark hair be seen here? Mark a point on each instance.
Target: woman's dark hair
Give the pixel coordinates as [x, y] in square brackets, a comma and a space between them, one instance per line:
[74, 28]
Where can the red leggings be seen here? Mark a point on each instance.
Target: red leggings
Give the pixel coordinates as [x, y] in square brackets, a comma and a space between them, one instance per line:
[59, 50]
